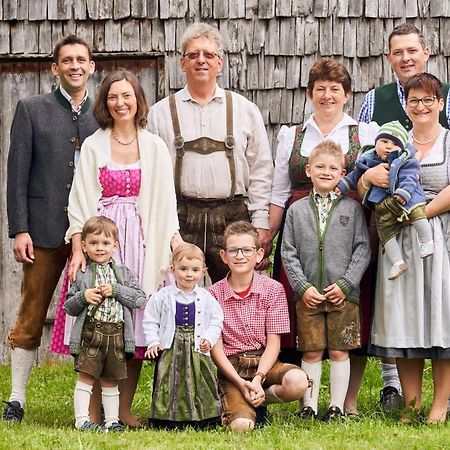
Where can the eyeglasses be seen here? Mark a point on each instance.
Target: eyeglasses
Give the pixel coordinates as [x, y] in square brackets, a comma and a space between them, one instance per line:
[426, 101]
[246, 251]
[197, 53]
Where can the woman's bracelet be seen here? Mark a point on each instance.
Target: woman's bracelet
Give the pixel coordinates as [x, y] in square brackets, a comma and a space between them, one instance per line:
[363, 184]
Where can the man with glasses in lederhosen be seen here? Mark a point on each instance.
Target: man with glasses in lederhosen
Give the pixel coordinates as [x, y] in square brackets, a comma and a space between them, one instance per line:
[222, 158]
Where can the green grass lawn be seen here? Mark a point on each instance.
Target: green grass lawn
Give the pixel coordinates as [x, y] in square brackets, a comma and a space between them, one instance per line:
[48, 422]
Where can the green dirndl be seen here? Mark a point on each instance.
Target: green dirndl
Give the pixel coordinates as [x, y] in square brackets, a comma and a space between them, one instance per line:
[185, 387]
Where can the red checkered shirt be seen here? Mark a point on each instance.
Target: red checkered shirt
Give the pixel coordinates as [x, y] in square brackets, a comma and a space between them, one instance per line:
[248, 321]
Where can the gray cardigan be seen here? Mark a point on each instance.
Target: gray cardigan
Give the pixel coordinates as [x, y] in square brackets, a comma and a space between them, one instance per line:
[44, 135]
[126, 291]
[341, 255]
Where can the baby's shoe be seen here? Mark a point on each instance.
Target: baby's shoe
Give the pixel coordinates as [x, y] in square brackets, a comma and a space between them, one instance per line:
[426, 249]
[399, 268]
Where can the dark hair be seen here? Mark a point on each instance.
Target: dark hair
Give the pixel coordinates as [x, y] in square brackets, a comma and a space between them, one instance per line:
[98, 225]
[241, 227]
[406, 28]
[429, 83]
[70, 40]
[329, 70]
[101, 112]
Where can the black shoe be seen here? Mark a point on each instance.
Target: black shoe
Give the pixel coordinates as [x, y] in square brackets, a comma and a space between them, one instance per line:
[12, 412]
[333, 414]
[390, 399]
[261, 416]
[306, 413]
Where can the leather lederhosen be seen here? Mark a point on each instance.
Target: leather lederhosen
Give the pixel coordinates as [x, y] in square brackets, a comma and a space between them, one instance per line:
[203, 220]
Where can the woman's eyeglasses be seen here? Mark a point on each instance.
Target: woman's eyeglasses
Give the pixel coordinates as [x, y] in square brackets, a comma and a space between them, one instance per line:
[196, 55]
[246, 251]
[426, 101]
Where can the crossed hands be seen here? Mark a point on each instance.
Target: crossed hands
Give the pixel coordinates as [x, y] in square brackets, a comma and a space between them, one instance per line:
[252, 392]
[312, 298]
[95, 295]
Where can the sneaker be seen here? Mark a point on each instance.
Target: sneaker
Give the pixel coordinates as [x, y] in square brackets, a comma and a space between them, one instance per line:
[397, 270]
[390, 399]
[306, 413]
[333, 414]
[426, 249]
[92, 426]
[262, 414]
[115, 427]
[12, 412]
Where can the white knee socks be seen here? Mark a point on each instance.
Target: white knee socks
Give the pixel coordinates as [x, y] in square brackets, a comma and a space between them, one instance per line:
[339, 377]
[22, 361]
[390, 376]
[110, 400]
[81, 399]
[314, 372]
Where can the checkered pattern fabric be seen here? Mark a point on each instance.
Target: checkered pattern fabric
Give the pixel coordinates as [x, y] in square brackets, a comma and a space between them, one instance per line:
[248, 321]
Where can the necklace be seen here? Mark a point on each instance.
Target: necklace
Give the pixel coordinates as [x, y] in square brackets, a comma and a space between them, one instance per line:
[121, 142]
[426, 142]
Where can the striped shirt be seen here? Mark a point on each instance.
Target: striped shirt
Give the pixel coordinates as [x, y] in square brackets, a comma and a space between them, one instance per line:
[248, 320]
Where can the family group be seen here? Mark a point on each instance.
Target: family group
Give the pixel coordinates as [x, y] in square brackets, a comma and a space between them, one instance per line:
[162, 218]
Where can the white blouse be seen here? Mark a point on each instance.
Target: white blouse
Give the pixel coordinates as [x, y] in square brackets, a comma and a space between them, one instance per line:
[281, 185]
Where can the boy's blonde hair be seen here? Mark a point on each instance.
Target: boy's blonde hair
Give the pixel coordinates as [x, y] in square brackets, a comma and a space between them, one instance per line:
[189, 251]
[327, 148]
[238, 228]
[99, 225]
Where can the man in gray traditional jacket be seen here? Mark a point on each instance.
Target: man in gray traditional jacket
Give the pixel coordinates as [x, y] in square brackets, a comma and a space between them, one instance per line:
[46, 136]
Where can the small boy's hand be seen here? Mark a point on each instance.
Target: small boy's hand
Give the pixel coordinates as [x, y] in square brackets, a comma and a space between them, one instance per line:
[312, 298]
[105, 290]
[337, 191]
[93, 296]
[400, 199]
[152, 352]
[205, 345]
[334, 295]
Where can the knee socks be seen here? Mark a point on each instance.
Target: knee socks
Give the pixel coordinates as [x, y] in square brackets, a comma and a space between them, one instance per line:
[390, 376]
[110, 400]
[339, 378]
[314, 372]
[81, 399]
[22, 361]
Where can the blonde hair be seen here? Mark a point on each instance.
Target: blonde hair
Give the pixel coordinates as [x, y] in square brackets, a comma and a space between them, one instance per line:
[238, 228]
[327, 148]
[189, 251]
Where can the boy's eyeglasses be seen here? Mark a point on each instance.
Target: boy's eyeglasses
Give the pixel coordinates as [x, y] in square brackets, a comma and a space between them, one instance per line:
[196, 55]
[246, 251]
[426, 101]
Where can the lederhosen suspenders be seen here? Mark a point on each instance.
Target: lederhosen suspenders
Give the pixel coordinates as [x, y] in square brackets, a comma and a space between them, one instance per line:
[204, 145]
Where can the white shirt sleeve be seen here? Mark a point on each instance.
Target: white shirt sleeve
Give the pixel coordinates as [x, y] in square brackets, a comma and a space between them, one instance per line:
[281, 185]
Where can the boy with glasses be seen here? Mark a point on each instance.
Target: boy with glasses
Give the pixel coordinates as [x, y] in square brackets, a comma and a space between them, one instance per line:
[255, 315]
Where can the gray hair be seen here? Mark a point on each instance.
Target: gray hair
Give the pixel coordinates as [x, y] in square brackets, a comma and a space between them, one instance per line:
[200, 29]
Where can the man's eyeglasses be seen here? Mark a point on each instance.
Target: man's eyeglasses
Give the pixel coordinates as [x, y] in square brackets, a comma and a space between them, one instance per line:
[426, 101]
[196, 55]
[246, 251]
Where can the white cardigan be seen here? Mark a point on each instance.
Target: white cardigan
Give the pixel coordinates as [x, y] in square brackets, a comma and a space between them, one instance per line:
[156, 203]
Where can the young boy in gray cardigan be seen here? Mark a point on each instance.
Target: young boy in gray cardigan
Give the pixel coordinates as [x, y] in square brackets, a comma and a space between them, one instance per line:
[325, 252]
[102, 335]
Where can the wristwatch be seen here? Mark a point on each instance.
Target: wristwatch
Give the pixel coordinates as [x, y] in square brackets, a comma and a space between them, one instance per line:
[261, 375]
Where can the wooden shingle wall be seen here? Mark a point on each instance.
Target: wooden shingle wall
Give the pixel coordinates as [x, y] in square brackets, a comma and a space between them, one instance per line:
[270, 44]
[270, 47]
